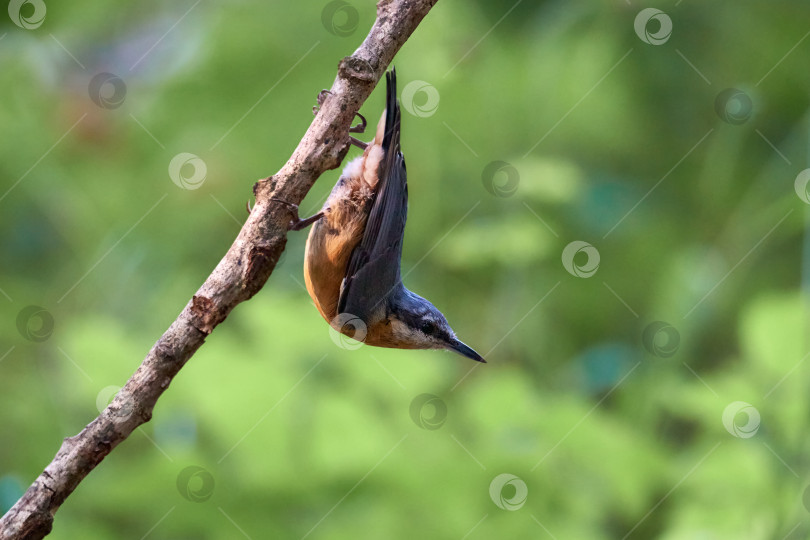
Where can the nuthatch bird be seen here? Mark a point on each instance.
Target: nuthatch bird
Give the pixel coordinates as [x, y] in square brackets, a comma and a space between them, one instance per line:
[354, 250]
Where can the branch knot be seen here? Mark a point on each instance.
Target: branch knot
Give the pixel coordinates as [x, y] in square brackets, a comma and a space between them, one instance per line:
[352, 67]
[204, 314]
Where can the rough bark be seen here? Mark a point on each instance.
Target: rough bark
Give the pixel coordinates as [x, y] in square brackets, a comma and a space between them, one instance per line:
[239, 275]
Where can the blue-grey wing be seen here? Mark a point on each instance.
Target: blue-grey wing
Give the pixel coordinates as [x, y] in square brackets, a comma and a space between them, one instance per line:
[373, 270]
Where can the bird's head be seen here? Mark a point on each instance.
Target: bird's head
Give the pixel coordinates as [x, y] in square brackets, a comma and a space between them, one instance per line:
[418, 324]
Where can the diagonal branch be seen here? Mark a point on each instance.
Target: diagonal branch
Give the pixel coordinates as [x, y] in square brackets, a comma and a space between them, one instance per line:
[239, 275]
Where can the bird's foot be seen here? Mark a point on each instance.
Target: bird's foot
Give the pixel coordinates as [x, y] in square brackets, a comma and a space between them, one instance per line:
[358, 143]
[359, 128]
[296, 224]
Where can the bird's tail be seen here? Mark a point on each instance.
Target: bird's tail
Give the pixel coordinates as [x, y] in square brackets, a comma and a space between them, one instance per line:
[392, 115]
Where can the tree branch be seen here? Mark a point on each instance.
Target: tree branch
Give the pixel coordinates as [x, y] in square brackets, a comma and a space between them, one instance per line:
[239, 275]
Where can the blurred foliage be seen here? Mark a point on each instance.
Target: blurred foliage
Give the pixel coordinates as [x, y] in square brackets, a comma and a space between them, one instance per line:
[616, 142]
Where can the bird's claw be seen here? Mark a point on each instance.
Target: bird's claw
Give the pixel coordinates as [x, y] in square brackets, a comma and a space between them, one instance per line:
[321, 98]
[359, 128]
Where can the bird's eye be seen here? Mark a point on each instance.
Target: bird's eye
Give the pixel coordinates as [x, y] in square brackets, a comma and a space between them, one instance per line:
[428, 327]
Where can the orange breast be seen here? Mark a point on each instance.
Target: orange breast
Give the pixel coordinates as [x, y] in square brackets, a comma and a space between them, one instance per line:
[329, 247]
[333, 238]
[327, 256]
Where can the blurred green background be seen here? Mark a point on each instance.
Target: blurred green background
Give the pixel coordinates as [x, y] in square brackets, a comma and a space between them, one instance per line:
[662, 396]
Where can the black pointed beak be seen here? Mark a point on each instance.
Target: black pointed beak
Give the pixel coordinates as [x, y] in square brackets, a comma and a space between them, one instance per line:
[464, 350]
